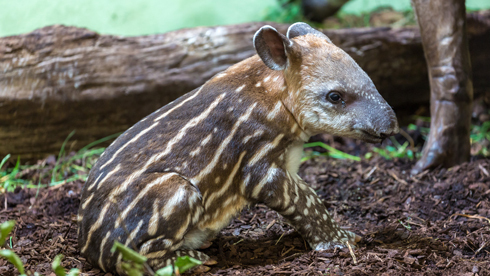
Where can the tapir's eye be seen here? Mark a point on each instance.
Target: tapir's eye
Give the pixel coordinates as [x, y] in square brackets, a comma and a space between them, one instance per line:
[334, 97]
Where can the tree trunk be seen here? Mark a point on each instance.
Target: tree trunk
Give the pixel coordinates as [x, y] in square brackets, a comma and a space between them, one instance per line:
[58, 79]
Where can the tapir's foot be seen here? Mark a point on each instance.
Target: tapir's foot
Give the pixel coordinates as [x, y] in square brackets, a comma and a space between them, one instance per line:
[432, 157]
[210, 262]
[206, 245]
[349, 238]
[448, 143]
[198, 270]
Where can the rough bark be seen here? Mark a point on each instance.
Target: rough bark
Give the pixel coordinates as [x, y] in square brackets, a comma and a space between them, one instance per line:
[58, 79]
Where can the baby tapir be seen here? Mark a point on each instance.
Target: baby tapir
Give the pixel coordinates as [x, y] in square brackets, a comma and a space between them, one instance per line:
[171, 182]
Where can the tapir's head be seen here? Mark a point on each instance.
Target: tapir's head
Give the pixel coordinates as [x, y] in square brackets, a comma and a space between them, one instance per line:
[327, 92]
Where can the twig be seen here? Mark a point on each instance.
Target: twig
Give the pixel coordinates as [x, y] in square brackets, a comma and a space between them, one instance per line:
[409, 138]
[279, 238]
[64, 238]
[287, 251]
[471, 216]
[238, 242]
[352, 253]
[291, 257]
[270, 224]
[481, 247]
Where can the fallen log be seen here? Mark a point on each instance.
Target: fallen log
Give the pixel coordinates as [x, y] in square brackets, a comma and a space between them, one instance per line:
[58, 79]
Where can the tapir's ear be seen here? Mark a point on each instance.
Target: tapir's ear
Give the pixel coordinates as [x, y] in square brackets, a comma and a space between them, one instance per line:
[272, 47]
[300, 28]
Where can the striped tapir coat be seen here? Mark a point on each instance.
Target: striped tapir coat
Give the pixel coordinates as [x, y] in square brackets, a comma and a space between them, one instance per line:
[172, 181]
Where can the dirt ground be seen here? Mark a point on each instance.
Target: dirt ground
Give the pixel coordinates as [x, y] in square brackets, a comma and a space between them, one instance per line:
[435, 223]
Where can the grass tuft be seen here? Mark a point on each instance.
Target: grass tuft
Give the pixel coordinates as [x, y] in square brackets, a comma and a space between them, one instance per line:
[67, 168]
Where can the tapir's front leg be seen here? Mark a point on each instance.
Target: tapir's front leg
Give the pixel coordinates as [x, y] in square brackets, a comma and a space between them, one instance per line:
[299, 203]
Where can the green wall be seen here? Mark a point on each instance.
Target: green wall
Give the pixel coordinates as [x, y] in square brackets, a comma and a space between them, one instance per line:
[359, 6]
[140, 17]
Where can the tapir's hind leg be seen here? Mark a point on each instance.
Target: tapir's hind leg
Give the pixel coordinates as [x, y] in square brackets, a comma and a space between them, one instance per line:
[174, 214]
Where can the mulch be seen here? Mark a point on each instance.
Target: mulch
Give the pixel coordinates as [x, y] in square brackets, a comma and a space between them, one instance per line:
[435, 223]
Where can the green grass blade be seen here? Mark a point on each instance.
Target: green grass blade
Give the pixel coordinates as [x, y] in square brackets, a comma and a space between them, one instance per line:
[5, 229]
[102, 140]
[74, 272]
[166, 271]
[182, 264]
[333, 151]
[4, 160]
[185, 263]
[128, 254]
[62, 150]
[13, 259]
[56, 265]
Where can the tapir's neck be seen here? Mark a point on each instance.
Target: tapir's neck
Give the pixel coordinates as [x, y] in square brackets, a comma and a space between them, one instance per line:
[269, 88]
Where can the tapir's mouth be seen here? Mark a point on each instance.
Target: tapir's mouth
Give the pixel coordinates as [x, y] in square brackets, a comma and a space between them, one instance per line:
[371, 137]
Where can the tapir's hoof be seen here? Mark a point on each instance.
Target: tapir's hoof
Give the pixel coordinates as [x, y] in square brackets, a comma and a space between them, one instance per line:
[357, 238]
[200, 269]
[210, 262]
[206, 245]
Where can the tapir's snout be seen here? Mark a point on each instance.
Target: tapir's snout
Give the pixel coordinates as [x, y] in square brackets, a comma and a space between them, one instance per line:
[389, 125]
[377, 124]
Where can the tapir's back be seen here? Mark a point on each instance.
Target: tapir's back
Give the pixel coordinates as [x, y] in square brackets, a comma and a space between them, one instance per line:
[184, 131]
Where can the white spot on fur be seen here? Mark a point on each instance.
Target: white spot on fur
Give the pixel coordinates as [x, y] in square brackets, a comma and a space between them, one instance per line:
[294, 128]
[219, 76]
[269, 177]
[207, 139]
[275, 111]
[173, 201]
[308, 203]
[256, 133]
[289, 211]
[195, 152]
[240, 88]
